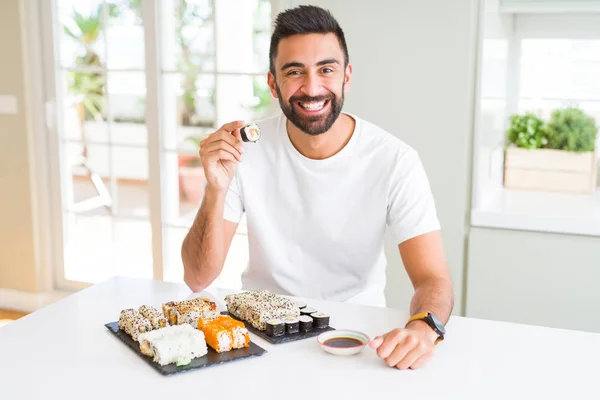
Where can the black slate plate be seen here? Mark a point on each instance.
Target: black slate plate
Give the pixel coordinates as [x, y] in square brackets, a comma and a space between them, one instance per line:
[286, 338]
[212, 358]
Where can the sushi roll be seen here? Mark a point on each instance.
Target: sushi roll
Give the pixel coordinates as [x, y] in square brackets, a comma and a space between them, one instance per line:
[133, 323]
[320, 320]
[307, 311]
[177, 344]
[157, 320]
[250, 133]
[306, 323]
[292, 325]
[239, 333]
[125, 316]
[166, 307]
[256, 307]
[300, 304]
[275, 327]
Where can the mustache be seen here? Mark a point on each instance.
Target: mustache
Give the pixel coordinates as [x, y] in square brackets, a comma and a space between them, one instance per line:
[308, 99]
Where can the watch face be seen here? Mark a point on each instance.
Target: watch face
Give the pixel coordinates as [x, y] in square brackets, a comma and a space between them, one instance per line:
[438, 324]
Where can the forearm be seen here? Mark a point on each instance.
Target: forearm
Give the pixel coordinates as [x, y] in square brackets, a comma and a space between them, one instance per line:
[203, 249]
[435, 296]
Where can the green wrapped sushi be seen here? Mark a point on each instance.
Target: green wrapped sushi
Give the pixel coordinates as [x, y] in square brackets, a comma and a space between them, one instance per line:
[250, 133]
[306, 323]
[320, 320]
[292, 325]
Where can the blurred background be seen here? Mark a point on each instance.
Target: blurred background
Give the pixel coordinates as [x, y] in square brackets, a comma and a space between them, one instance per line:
[102, 103]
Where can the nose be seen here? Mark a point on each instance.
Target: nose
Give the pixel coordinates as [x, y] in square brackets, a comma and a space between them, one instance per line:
[312, 85]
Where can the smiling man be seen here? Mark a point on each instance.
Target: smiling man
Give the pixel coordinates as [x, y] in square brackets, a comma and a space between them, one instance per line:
[319, 190]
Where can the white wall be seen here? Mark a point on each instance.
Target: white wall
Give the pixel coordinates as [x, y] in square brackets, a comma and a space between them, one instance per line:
[534, 278]
[414, 76]
[17, 243]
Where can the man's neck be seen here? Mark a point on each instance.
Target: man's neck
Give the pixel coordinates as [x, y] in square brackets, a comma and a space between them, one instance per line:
[325, 145]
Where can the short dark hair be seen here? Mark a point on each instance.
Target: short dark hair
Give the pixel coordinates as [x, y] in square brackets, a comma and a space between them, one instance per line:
[303, 20]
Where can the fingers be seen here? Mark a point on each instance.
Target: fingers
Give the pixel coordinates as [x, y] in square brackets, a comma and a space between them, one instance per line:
[236, 133]
[422, 360]
[222, 145]
[409, 358]
[403, 347]
[375, 343]
[224, 136]
[390, 340]
[222, 140]
[218, 155]
[228, 127]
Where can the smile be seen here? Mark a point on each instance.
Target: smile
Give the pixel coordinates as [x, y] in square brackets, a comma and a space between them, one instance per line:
[313, 105]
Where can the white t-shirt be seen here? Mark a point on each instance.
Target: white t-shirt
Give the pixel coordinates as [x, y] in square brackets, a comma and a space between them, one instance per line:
[316, 227]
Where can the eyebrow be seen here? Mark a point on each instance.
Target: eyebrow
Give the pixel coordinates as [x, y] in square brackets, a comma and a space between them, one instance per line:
[300, 65]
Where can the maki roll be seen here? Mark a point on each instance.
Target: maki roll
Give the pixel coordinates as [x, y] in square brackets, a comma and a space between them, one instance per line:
[300, 304]
[292, 325]
[250, 133]
[306, 323]
[178, 344]
[157, 320]
[133, 323]
[223, 333]
[275, 327]
[320, 320]
[307, 311]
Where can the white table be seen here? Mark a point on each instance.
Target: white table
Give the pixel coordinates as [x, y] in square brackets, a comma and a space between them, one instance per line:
[64, 351]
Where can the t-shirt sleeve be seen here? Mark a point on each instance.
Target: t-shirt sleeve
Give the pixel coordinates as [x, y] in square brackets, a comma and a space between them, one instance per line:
[234, 203]
[411, 207]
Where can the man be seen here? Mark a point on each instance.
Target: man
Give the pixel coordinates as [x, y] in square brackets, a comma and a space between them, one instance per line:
[318, 190]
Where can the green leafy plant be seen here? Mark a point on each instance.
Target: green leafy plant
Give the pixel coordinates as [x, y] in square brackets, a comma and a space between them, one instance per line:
[571, 129]
[87, 88]
[527, 131]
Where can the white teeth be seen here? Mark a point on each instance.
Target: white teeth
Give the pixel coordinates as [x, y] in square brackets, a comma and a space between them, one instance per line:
[313, 106]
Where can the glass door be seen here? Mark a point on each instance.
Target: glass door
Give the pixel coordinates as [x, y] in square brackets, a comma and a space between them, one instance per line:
[134, 84]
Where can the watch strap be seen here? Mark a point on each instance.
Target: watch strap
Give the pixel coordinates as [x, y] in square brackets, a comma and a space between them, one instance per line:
[423, 317]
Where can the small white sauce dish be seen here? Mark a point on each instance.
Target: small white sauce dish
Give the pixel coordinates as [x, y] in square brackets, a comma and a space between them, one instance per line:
[341, 342]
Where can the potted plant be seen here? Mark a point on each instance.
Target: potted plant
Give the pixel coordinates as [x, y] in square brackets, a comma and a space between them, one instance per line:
[558, 155]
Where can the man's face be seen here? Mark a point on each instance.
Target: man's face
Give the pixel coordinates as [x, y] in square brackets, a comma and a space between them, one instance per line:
[310, 81]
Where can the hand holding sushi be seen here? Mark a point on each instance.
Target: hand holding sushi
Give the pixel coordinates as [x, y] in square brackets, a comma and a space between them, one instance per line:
[220, 152]
[406, 348]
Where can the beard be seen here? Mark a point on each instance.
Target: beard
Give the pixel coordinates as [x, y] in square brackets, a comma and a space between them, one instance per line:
[312, 125]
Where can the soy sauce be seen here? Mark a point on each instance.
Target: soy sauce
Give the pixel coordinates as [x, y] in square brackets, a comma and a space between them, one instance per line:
[343, 342]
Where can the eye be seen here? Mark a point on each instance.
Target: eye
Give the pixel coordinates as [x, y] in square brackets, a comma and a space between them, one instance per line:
[294, 72]
[327, 70]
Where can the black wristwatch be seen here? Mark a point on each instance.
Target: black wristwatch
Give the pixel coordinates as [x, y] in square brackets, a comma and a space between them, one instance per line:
[431, 320]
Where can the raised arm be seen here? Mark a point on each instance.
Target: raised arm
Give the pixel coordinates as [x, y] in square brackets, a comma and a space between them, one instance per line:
[207, 242]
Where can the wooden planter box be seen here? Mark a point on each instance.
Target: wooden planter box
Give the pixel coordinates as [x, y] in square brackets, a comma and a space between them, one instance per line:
[551, 170]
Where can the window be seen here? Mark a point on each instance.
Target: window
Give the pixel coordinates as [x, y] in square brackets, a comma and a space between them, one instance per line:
[129, 188]
[536, 63]
[557, 73]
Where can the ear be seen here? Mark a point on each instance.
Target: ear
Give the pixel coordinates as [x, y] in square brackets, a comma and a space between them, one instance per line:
[272, 84]
[347, 78]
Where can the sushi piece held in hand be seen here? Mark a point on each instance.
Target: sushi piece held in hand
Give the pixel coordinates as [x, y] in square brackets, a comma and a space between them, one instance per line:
[250, 132]
[320, 320]
[306, 323]
[292, 325]
[275, 327]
